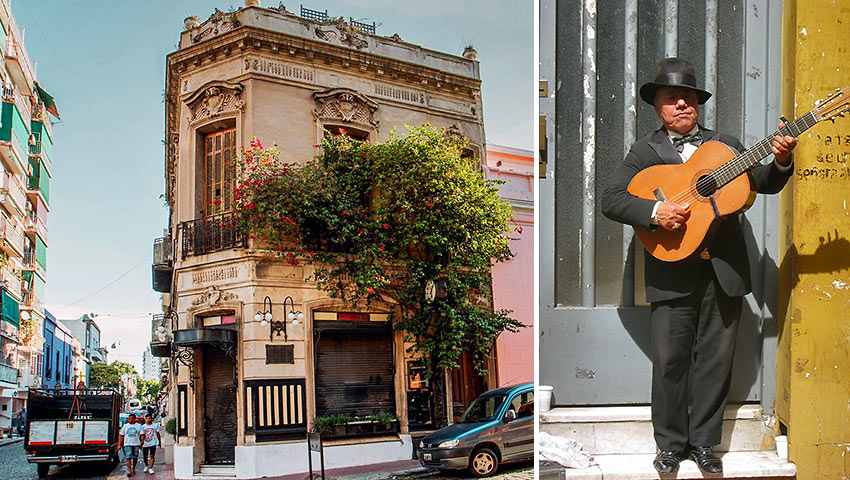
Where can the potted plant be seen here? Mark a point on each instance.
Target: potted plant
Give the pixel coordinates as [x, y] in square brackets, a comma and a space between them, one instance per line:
[170, 427]
[384, 422]
[331, 426]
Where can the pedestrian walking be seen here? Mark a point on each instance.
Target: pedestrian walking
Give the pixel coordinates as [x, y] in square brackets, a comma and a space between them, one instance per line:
[130, 440]
[151, 438]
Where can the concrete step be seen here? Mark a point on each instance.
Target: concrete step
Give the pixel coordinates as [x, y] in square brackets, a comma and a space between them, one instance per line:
[764, 465]
[216, 471]
[628, 430]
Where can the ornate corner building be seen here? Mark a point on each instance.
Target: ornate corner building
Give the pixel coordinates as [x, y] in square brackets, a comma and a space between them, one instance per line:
[255, 350]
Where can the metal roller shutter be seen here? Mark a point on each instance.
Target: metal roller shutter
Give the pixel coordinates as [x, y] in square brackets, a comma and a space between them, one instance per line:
[354, 372]
[219, 407]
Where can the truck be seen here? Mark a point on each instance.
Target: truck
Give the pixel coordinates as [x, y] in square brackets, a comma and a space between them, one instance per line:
[69, 425]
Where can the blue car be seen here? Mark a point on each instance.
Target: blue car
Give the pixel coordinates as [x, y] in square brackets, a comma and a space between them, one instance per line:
[498, 427]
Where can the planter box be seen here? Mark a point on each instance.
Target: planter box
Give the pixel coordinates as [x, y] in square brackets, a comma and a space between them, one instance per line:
[361, 429]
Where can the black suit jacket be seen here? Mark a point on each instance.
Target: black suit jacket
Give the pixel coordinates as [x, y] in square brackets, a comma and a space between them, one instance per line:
[670, 280]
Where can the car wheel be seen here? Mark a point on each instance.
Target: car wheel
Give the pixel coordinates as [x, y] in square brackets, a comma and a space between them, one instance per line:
[483, 462]
[43, 468]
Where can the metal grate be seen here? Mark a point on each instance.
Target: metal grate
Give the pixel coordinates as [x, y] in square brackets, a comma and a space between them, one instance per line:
[211, 234]
[314, 15]
[363, 27]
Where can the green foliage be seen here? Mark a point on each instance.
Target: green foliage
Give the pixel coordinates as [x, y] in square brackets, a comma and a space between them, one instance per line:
[147, 391]
[378, 221]
[102, 375]
[385, 418]
[170, 426]
[325, 424]
[122, 367]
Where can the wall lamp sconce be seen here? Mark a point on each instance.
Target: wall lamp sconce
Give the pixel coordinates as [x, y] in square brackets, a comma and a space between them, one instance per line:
[170, 316]
[278, 326]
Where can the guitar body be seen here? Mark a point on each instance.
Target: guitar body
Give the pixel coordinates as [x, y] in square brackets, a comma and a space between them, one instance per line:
[678, 185]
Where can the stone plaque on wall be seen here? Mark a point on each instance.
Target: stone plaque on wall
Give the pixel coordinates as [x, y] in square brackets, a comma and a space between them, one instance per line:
[280, 354]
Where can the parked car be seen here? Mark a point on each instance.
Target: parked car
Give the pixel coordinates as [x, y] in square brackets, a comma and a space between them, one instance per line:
[498, 427]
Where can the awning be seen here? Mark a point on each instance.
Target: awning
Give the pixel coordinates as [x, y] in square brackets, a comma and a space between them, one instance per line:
[199, 336]
[49, 103]
[11, 311]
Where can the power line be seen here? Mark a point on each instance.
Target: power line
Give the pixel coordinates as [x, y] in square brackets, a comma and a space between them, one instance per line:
[146, 256]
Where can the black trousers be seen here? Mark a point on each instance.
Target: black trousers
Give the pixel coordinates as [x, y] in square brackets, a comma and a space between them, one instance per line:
[699, 329]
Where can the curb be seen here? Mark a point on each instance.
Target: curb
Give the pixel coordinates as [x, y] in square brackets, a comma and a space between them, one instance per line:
[10, 441]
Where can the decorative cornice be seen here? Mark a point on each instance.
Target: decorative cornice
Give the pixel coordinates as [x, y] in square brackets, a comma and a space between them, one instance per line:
[214, 98]
[345, 105]
[218, 23]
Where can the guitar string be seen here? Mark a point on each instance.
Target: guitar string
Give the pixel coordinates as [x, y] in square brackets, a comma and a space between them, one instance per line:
[728, 168]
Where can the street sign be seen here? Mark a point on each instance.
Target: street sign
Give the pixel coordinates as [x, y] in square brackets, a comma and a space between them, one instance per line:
[314, 444]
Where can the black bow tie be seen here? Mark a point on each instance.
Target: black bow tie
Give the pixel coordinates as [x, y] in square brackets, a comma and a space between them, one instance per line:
[679, 143]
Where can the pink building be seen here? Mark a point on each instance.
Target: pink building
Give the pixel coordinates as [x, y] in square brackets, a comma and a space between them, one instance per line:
[513, 281]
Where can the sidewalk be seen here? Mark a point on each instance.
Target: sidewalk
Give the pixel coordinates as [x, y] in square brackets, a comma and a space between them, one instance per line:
[405, 469]
[377, 471]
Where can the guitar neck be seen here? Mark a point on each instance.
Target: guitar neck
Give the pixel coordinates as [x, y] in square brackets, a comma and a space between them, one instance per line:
[746, 160]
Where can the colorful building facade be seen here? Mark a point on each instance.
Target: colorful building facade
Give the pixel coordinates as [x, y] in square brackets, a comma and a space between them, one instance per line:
[26, 149]
[513, 280]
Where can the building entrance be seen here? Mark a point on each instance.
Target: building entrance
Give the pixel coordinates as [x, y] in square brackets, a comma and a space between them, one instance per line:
[219, 407]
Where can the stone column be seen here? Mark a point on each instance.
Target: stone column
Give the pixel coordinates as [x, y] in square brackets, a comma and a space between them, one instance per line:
[813, 357]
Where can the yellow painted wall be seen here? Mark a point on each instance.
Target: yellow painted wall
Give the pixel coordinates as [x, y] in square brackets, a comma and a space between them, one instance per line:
[813, 359]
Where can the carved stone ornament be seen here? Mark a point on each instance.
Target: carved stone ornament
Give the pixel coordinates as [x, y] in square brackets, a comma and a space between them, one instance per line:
[218, 23]
[212, 296]
[345, 105]
[213, 99]
[346, 34]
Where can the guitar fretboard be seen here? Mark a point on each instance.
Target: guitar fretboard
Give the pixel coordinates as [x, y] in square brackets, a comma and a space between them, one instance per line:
[746, 160]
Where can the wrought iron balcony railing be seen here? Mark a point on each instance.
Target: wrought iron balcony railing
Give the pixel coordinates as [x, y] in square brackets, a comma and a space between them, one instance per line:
[210, 234]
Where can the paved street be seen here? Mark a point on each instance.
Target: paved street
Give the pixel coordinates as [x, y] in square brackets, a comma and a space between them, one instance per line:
[13, 464]
[512, 471]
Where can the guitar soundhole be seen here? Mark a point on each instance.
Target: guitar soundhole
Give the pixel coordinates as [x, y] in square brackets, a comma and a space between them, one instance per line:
[706, 185]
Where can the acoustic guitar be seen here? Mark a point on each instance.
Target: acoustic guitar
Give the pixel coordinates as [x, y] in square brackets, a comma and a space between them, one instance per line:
[714, 183]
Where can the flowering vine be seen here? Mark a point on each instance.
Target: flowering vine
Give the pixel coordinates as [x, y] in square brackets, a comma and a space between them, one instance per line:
[378, 220]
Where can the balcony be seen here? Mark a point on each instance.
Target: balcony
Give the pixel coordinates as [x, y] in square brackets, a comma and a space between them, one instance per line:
[8, 374]
[17, 60]
[12, 194]
[11, 281]
[30, 301]
[210, 234]
[13, 240]
[40, 114]
[34, 223]
[162, 268]
[11, 94]
[30, 264]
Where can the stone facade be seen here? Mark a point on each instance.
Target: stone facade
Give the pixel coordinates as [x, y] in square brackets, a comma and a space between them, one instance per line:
[266, 73]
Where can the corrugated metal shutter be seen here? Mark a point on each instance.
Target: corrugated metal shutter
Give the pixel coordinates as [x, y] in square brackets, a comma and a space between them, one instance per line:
[354, 372]
[40, 253]
[219, 407]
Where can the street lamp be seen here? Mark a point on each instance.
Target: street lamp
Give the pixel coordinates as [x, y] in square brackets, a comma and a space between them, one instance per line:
[266, 318]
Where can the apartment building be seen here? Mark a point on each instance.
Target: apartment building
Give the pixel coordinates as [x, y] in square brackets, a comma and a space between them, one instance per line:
[26, 149]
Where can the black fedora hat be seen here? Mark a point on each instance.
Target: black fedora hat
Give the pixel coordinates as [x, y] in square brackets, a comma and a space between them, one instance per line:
[673, 72]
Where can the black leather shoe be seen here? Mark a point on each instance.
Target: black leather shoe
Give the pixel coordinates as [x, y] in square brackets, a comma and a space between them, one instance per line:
[706, 460]
[667, 461]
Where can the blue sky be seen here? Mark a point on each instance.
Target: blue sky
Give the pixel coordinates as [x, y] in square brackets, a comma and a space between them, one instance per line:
[103, 61]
